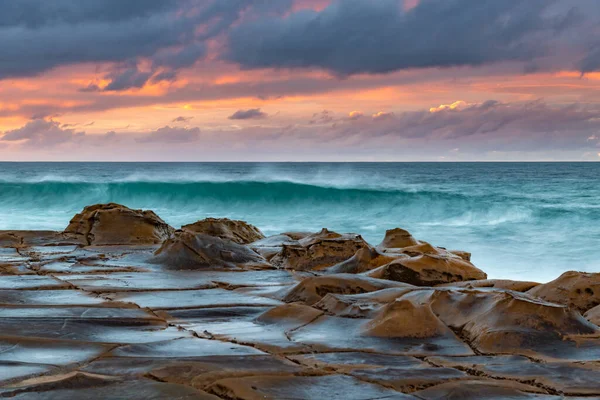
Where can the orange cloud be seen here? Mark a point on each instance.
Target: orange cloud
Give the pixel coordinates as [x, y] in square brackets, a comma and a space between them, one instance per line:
[456, 105]
[355, 115]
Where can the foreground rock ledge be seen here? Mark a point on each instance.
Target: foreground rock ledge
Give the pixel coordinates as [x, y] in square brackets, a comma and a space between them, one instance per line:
[121, 305]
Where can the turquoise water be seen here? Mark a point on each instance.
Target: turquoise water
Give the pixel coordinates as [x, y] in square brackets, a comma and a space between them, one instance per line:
[520, 220]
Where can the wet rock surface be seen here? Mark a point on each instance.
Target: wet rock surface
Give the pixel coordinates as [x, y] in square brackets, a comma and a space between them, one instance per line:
[239, 232]
[145, 312]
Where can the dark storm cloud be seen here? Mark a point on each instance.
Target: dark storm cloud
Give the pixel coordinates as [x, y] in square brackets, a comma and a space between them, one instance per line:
[253, 113]
[39, 13]
[38, 35]
[355, 36]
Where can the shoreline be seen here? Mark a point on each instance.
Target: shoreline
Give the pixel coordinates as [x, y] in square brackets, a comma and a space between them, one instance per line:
[120, 300]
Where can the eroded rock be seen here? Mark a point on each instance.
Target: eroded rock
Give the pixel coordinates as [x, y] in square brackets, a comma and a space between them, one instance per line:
[593, 315]
[237, 231]
[397, 238]
[313, 289]
[187, 251]
[428, 270]
[365, 259]
[579, 290]
[319, 251]
[114, 224]
[517, 286]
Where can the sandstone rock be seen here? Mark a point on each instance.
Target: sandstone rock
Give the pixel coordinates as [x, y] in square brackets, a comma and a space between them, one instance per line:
[497, 321]
[428, 270]
[567, 378]
[114, 224]
[270, 246]
[187, 250]
[313, 289]
[579, 290]
[517, 286]
[479, 389]
[319, 251]
[491, 321]
[331, 387]
[365, 259]
[297, 235]
[593, 315]
[398, 238]
[21, 239]
[237, 231]
[465, 255]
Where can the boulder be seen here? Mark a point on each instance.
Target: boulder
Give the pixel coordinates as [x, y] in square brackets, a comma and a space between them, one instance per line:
[397, 238]
[365, 259]
[319, 251]
[311, 290]
[517, 286]
[579, 290]
[237, 231]
[428, 270]
[114, 224]
[189, 251]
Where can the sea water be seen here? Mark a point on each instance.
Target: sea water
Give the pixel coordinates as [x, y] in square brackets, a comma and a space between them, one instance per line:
[527, 221]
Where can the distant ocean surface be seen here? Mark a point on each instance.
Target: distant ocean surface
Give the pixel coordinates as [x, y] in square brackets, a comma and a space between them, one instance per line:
[528, 221]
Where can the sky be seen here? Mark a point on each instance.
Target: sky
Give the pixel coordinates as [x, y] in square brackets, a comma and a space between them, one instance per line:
[300, 80]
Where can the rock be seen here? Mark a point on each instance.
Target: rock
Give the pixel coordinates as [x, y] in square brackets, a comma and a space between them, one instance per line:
[188, 251]
[397, 238]
[114, 224]
[319, 251]
[497, 321]
[331, 387]
[491, 321]
[21, 239]
[593, 315]
[270, 246]
[570, 379]
[365, 259]
[428, 270]
[579, 290]
[313, 289]
[237, 231]
[517, 286]
[297, 235]
[465, 255]
[474, 389]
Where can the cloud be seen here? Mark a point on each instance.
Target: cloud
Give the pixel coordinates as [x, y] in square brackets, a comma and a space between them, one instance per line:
[354, 115]
[46, 133]
[169, 134]
[380, 116]
[454, 106]
[354, 36]
[39, 35]
[253, 113]
[41, 133]
[182, 119]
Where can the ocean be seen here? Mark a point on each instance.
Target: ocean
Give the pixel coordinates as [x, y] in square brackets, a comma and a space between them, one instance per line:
[526, 221]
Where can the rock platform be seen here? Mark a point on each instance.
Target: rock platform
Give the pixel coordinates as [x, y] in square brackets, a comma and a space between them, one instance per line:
[122, 306]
